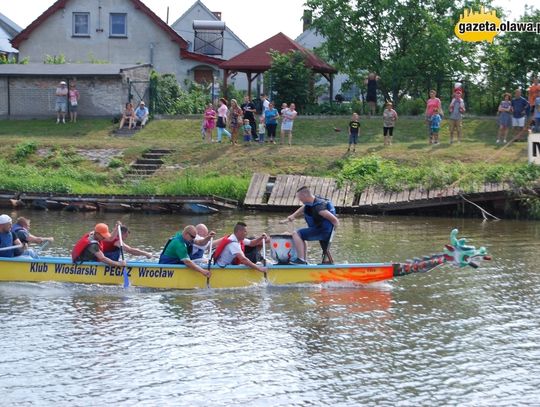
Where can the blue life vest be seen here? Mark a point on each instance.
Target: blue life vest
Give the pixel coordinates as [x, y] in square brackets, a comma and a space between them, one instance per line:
[20, 232]
[311, 213]
[6, 240]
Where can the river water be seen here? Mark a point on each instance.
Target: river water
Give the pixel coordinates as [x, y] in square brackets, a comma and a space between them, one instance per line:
[456, 337]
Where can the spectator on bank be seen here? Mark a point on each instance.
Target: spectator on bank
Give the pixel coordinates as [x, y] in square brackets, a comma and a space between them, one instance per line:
[389, 121]
[249, 110]
[537, 114]
[73, 96]
[505, 118]
[265, 103]
[141, 114]
[61, 102]
[270, 118]
[246, 128]
[209, 121]
[261, 129]
[354, 131]
[235, 122]
[371, 96]
[128, 115]
[435, 125]
[223, 113]
[433, 105]
[520, 112]
[289, 116]
[456, 109]
[534, 92]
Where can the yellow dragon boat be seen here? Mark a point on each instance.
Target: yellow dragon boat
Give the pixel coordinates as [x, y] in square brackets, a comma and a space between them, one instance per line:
[165, 276]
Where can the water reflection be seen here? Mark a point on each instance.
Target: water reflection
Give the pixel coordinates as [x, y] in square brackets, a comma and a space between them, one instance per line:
[448, 337]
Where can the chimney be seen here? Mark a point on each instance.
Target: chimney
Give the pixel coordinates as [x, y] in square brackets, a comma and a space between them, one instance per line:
[217, 14]
[308, 19]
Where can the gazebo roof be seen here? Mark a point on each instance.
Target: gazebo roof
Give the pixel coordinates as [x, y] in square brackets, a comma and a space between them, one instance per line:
[258, 59]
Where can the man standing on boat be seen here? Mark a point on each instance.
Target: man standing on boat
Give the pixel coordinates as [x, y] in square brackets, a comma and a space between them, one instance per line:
[177, 249]
[231, 248]
[320, 215]
[90, 247]
[8, 239]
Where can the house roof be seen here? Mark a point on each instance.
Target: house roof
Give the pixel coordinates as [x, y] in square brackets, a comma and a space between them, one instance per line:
[8, 30]
[211, 16]
[63, 70]
[257, 59]
[139, 5]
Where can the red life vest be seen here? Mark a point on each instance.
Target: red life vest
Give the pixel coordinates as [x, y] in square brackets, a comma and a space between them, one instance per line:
[109, 245]
[82, 244]
[222, 245]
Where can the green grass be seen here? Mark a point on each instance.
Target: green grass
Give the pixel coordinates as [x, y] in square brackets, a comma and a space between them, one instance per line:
[222, 169]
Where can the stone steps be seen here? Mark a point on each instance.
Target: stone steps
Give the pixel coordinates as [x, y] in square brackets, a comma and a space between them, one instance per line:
[147, 165]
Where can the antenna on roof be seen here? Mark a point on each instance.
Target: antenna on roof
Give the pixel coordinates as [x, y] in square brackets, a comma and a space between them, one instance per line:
[167, 21]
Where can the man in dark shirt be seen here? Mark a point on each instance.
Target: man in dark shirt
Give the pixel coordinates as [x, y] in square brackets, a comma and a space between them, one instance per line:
[519, 116]
[249, 110]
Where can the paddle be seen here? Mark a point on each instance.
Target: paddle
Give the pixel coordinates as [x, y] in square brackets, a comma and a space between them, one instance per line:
[18, 246]
[209, 261]
[124, 270]
[264, 257]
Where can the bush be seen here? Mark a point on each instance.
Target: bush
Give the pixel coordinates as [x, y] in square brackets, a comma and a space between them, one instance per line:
[23, 150]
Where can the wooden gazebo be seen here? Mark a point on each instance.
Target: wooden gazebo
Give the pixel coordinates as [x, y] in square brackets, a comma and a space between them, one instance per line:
[257, 60]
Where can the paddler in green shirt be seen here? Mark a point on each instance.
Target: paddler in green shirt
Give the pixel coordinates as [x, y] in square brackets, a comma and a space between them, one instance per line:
[176, 250]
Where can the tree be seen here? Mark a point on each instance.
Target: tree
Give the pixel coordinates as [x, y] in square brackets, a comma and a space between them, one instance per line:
[291, 78]
[410, 44]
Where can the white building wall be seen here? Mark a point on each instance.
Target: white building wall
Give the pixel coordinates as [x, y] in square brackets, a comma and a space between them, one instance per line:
[145, 41]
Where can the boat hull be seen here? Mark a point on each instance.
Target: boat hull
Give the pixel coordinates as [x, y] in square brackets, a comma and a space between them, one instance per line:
[155, 275]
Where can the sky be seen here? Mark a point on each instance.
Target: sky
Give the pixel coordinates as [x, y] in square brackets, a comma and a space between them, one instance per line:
[253, 21]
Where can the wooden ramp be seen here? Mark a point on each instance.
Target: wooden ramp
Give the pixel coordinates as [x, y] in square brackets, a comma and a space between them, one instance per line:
[275, 193]
[279, 192]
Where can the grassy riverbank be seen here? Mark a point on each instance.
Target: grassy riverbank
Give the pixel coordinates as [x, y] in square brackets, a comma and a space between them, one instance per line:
[39, 155]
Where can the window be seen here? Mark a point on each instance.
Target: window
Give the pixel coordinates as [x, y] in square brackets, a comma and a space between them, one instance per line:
[118, 27]
[81, 24]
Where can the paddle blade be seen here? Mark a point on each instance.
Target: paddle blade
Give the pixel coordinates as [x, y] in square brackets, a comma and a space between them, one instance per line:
[126, 278]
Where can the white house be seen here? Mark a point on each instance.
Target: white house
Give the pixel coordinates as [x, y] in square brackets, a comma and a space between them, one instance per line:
[310, 39]
[232, 45]
[8, 30]
[109, 31]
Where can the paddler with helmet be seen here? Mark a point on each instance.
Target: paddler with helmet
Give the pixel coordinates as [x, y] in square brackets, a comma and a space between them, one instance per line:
[90, 247]
[320, 215]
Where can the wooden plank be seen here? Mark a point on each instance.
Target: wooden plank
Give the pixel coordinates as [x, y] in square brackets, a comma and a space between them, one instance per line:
[348, 195]
[326, 190]
[297, 182]
[376, 197]
[277, 191]
[364, 197]
[319, 187]
[281, 190]
[339, 195]
[257, 189]
[287, 192]
[252, 190]
[424, 194]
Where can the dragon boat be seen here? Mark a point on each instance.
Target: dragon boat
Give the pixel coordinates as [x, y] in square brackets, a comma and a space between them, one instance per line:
[164, 276]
